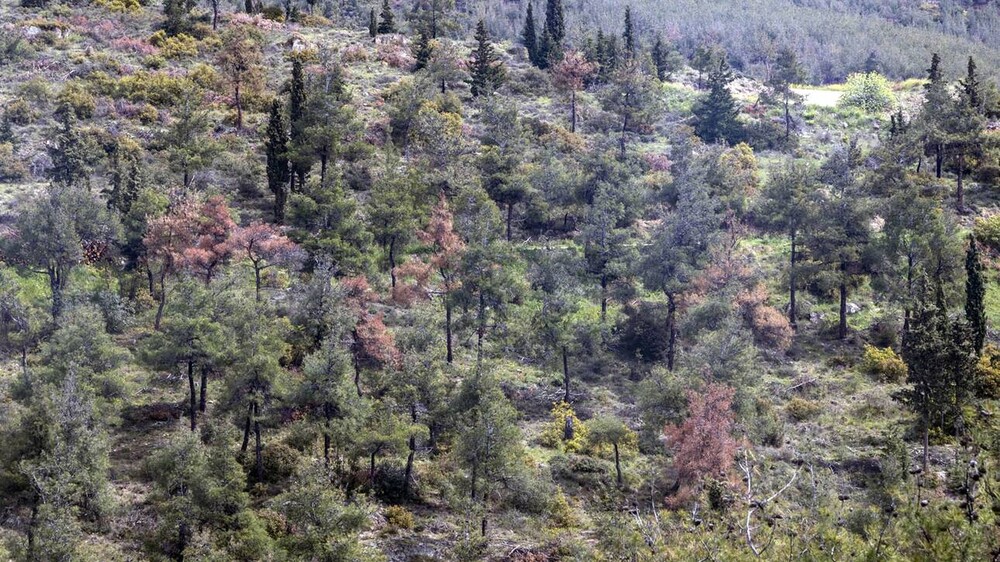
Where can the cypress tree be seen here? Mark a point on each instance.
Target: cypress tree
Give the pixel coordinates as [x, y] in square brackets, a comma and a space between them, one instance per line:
[386, 22]
[934, 72]
[422, 51]
[660, 59]
[276, 151]
[970, 87]
[716, 114]
[529, 37]
[554, 23]
[628, 36]
[296, 110]
[487, 71]
[372, 24]
[975, 295]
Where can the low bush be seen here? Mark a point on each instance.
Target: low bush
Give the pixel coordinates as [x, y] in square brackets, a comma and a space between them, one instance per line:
[883, 363]
[800, 409]
[869, 92]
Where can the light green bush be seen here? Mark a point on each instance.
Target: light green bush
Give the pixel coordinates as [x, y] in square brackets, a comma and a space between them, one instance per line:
[883, 363]
[870, 92]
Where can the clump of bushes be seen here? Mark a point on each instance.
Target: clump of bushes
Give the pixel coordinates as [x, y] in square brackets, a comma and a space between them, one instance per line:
[398, 517]
[987, 231]
[119, 6]
[174, 46]
[157, 88]
[883, 363]
[869, 92]
[11, 167]
[800, 409]
[565, 431]
[77, 99]
[988, 372]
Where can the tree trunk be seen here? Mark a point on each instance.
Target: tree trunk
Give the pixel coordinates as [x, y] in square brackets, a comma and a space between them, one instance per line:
[408, 474]
[215, 15]
[672, 322]
[194, 395]
[357, 377]
[938, 159]
[163, 300]
[324, 159]
[788, 119]
[256, 279]
[239, 108]
[183, 535]
[621, 141]
[791, 287]
[447, 328]
[246, 431]
[960, 190]
[392, 262]
[604, 297]
[572, 111]
[328, 414]
[510, 217]
[565, 362]
[371, 469]
[842, 328]
[618, 466]
[909, 292]
[204, 389]
[483, 526]
[258, 451]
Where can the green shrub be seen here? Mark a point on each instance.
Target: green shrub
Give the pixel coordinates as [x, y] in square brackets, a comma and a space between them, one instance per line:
[555, 432]
[157, 88]
[988, 372]
[20, 112]
[174, 46]
[870, 92]
[987, 231]
[11, 167]
[119, 6]
[800, 409]
[398, 517]
[883, 363]
[76, 97]
[280, 461]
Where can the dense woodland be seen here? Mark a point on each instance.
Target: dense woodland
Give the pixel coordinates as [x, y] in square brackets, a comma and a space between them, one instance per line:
[455, 280]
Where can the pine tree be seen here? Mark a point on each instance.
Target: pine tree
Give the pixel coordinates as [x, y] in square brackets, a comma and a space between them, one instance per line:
[716, 114]
[487, 70]
[975, 295]
[529, 36]
[554, 23]
[787, 71]
[628, 36]
[372, 24]
[276, 151]
[934, 75]
[386, 22]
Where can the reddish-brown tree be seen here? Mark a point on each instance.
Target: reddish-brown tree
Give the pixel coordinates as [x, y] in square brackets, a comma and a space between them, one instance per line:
[194, 235]
[703, 446]
[374, 347]
[211, 225]
[571, 74]
[264, 246]
[448, 249]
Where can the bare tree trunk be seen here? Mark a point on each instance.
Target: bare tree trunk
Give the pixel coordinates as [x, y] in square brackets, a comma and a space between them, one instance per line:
[194, 395]
[204, 389]
[842, 328]
[960, 190]
[572, 111]
[392, 262]
[246, 431]
[565, 364]
[447, 328]
[672, 321]
[258, 450]
[618, 465]
[791, 287]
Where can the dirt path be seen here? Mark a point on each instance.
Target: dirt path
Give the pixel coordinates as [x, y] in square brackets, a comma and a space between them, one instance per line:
[824, 98]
